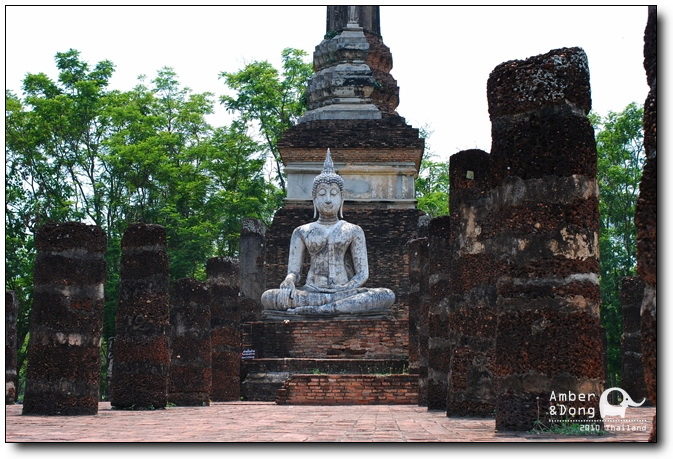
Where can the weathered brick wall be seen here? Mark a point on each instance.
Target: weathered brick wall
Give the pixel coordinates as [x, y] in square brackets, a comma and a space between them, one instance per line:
[387, 232]
[349, 390]
[223, 274]
[325, 365]
[471, 291]
[646, 218]
[11, 347]
[389, 139]
[141, 353]
[631, 299]
[365, 339]
[545, 228]
[190, 379]
[439, 352]
[66, 320]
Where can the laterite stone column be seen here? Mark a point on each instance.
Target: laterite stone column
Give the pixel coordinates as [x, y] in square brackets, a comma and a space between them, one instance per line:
[191, 375]
[252, 255]
[66, 321]
[545, 229]
[631, 299]
[418, 315]
[11, 347]
[471, 292]
[439, 352]
[223, 282]
[646, 219]
[141, 346]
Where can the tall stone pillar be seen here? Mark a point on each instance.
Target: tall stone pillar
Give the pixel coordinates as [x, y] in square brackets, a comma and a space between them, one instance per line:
[545, 206]
[251, 259]
[646, 218]
[11, 347]
[66, 321]
[223, 274]
[439, 352]
[141, 346]
[472, 287]
[631, 298]
[191, 378]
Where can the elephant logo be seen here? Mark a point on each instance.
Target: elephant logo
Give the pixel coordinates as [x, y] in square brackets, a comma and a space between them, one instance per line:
[608, 409]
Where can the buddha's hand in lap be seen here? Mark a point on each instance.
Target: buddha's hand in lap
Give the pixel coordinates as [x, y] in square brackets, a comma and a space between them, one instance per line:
[286, 293]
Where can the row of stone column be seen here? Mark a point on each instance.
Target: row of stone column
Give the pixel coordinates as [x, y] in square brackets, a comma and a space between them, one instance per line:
[523, 296]
[180, 347]
[519, 316]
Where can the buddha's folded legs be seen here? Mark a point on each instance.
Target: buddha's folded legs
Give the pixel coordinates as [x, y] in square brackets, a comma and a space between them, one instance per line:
[361, 300]
[357, 300]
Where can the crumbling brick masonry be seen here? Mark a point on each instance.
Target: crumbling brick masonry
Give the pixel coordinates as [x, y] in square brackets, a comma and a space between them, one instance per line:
[141, 356]
[191, 378]
[544, 237]
[66, 321]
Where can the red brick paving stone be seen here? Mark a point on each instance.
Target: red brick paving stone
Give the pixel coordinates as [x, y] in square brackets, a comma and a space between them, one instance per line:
[249, 422]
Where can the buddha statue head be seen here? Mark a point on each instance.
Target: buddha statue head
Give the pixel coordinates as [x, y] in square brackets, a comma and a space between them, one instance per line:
[327, 177]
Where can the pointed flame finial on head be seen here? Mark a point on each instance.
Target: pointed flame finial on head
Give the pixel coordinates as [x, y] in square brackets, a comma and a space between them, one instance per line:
[328, 166]
[328, 175]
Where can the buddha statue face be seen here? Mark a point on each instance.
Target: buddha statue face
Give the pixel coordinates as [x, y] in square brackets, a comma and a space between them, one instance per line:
[328, 199]
[327, 191]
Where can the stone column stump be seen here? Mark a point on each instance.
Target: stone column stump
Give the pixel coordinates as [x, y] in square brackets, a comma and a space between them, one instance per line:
[472, 287]
[223, 283]
[418, 315]
[251, 259]
[631, 299]
[545, 225]
[439, 351]
[66, 321]
[191, 376]
[141, 347]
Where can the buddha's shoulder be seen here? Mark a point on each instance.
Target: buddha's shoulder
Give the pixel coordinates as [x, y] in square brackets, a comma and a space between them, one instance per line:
[351, 227]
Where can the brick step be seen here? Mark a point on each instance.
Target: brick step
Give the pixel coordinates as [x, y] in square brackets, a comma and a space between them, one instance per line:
[262, 378]
[349, 389]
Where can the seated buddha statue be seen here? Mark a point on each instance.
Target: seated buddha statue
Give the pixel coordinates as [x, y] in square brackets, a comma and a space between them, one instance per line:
[338, 260]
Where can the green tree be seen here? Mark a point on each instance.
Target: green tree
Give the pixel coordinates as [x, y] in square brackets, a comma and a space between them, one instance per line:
[77, 151]
[270, 100]
[432, 184]
[52, 166]
[619, 140]
[239, 187]
[432, 187]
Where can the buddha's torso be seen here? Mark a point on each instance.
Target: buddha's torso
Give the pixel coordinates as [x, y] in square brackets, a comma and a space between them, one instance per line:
[328, 247]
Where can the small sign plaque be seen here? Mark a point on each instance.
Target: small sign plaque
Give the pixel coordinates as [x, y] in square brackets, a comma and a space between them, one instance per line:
[248, 354]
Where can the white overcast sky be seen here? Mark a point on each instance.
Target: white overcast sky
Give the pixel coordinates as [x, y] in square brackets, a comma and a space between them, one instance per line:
[442, 55]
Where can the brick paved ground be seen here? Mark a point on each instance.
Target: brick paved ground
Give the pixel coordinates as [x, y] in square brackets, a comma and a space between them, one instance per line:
[246, 422]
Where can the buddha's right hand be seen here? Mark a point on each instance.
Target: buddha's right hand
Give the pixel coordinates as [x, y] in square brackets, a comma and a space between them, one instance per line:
[286, 294]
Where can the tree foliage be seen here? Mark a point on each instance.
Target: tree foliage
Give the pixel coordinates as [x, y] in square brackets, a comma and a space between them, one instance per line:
[76, 150]
[270, 100]
[619, 141]
[432, 187]
[432, 184]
